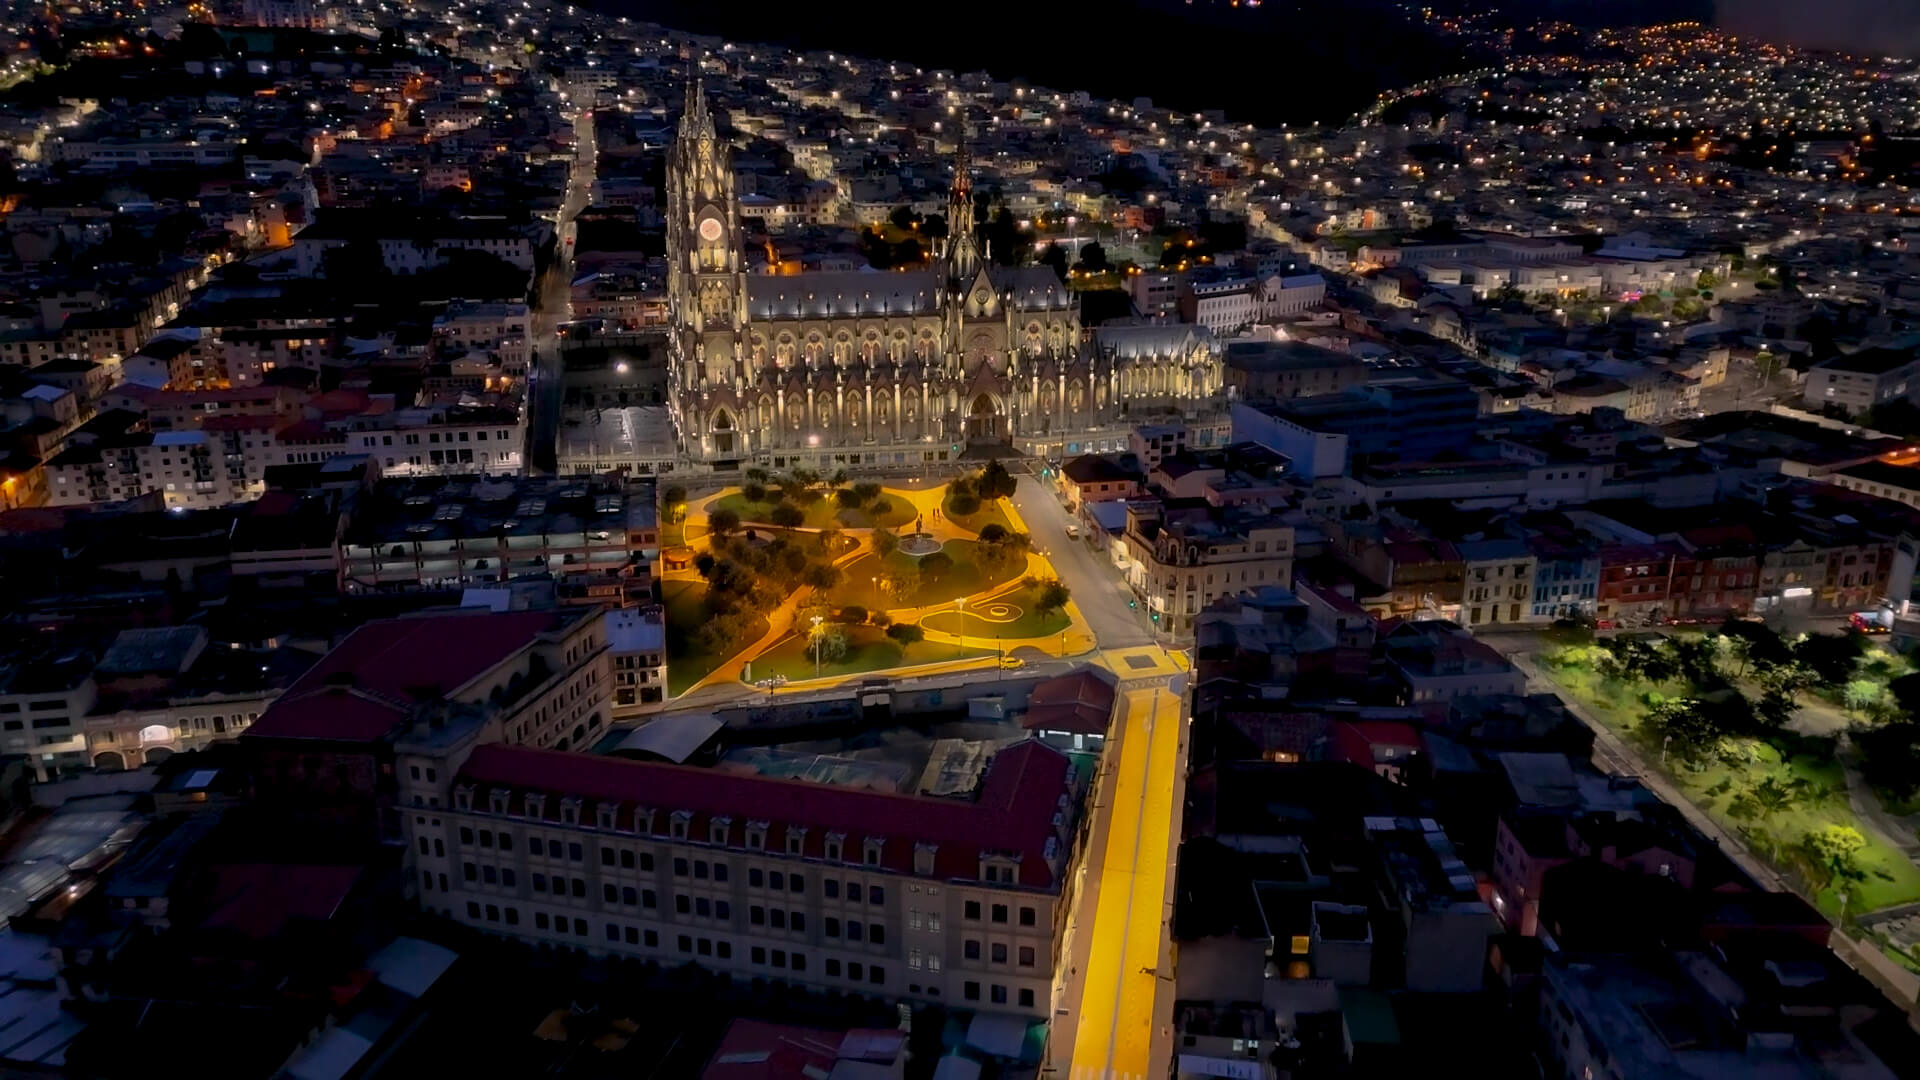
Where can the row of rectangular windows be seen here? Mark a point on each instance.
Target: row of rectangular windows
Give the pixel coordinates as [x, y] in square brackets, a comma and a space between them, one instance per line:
[873, 974]
[778, 918]
[699, 869]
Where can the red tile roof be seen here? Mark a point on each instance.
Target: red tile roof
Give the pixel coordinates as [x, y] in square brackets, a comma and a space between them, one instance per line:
[1018, 801]
[368, 683]
[1081, 702]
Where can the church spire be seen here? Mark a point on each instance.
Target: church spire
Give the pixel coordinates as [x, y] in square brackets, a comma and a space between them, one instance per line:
[696, 122]
[962, 256]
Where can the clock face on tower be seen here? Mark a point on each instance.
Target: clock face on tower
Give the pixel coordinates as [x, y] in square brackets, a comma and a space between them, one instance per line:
[710, 230]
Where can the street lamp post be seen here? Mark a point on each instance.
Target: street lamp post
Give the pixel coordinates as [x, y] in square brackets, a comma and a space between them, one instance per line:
[816, 646]
[960, 605]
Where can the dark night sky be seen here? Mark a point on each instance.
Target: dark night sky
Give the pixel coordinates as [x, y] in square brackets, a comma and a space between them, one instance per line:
[1877, 27]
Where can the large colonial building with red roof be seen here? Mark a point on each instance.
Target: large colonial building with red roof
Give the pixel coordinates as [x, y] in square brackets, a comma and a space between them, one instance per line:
[461, 734]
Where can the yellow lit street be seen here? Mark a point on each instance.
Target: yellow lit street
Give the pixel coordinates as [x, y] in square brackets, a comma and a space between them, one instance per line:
[1119, 1000]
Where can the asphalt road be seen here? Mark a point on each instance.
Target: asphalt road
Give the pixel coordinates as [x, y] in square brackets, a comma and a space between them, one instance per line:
[554, 307]
[1095, 583]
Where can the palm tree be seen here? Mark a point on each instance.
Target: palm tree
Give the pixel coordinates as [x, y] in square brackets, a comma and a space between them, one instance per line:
[1768, 798]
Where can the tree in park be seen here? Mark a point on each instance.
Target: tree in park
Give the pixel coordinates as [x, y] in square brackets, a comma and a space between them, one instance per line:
[753, 493]
[936, 566]
[848, 498]
[885, 542]
[906, 633]
[1053, 596]
[831, 642]
[879, 509]
[1834, 854]
[787, 516]
[1905, 691]
[1831, 657]
[820, 576]
[1862, 695]
[1775, 709]
[880, 619]
[1686, 729]
[722, 522]
[995, 481]
[992, 532]
[1768, 799]
[866, 491]
[1696, 657]
[830, 540]
[674, 500]
[756, 475]
[704, 563]
[1093, 258]
[1629, 657]
[1756, 645]
[853, 614]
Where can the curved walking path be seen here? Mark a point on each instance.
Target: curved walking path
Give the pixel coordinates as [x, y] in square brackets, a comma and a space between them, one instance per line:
[1076, 640]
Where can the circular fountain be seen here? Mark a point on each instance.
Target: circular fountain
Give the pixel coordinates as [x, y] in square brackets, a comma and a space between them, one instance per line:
[920, 543]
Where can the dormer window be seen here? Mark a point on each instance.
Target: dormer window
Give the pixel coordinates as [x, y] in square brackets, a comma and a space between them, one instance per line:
[720, 830]
[682, 820]
[923, 855]
[643, 821]
[796, 840]
[756, 835]
[463, 797]
[606, 814]
[999, 869]
[570, 811]
[497, 800]
[835, 842]
[873, 849]
[536, 804]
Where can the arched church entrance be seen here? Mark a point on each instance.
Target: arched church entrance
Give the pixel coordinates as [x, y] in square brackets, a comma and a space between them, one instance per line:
[984, 424]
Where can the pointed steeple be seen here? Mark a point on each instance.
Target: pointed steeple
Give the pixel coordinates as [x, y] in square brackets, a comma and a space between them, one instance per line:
[962, 255]
[697, 121]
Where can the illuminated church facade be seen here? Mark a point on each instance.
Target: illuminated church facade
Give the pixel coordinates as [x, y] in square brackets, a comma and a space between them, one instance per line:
[892, 368]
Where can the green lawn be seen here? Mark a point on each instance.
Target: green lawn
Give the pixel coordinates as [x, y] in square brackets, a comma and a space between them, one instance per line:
[870, 649]
[823, 512]
[1890, 877]
[685, 602]
[988, 514]
[1028, 623]
[965, 579]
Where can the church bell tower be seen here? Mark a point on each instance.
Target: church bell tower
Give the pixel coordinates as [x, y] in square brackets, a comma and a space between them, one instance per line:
[706, 278]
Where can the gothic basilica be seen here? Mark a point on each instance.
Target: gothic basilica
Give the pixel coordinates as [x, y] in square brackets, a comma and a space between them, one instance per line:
[892, 368]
